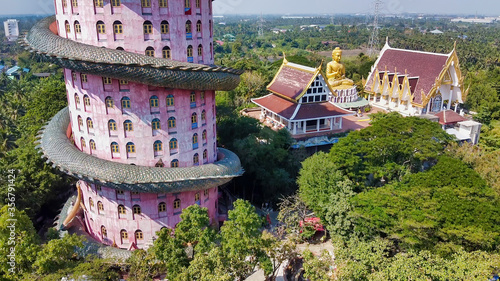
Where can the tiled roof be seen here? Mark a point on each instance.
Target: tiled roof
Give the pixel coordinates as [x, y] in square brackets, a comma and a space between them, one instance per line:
[128, 66]
[286, 108]
[423, 67]
[59, 150]
[449, 117]
[292, 80]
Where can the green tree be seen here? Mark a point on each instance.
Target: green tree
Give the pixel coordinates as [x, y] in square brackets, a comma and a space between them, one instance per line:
[317, 268]
[58, 254]
[145, 265]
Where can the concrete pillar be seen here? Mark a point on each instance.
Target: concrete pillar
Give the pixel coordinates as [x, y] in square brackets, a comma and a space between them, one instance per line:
[331, 123]
[304, 124]
[317, 125]
[340, 123]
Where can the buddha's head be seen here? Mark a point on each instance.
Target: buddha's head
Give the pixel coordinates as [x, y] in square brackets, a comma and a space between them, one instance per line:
[337, 54]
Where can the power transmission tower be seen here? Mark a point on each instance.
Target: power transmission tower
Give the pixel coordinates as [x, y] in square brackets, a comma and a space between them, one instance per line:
[261, 27]
[374, 43]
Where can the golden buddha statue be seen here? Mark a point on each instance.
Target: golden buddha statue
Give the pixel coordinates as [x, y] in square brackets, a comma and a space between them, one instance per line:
[335, 72]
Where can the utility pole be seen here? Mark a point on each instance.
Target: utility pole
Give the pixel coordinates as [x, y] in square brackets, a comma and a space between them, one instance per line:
[261, 27]
[374, 43]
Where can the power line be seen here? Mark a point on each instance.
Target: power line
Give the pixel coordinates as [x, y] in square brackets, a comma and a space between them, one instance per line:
[374, 43]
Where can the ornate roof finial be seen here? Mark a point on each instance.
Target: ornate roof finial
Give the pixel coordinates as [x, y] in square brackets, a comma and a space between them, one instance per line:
[284, 58]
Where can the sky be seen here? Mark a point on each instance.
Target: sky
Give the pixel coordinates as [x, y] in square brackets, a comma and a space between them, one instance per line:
[221, 7]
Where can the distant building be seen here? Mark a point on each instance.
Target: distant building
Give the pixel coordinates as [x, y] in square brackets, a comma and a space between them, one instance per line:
[436, 31]
[11, 29]
[301, 100]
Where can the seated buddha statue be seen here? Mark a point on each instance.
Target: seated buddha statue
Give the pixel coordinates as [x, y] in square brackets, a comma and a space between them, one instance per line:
[335, 71]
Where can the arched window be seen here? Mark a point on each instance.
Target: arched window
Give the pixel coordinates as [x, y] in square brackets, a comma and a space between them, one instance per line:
[164, 27]
[67, 27]
[120, 48]
[203, 116]
[90, 124]
[98, 3]
[115, 148]
[194, 120]
[198, 26]
[170, 100]
[117, 27]
[206, 192]
[123, 235]
[196, 159]
[195, 138]
[210, 27]
[155, 124]
[82, 142]
[162, 207]
[91, 203]
[109, 102]
[200, 50]
[101, 28]
[136, 209]
[158, 146]
[116, 3]
[125, 102]
[86, 101]
[146, 3]
[197, 196]
[104, 232]
[190, 53]
[147, 26]
[192, 97]
[150, 52]
[138, 235]
[83, 77]
[204, 136]
[112, 125]
[100, 207]
[174, 163]
[153, 101]
[128, 125]
[177, 203]
[173, 144]
[121, 210]
[92, 145]
[205, 156]
[80, 123]
[163, 3]
[166, 52]
[130, 147]
[77, 100]
[171, 122]
[187, 4]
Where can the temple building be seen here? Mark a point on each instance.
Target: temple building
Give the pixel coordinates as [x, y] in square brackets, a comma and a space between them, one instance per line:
[139, 131]
[302, 101]
[414, 82]
[429, 85]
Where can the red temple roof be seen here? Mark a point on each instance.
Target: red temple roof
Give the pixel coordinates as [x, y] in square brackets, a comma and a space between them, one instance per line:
[292, 80]
[288, 109]
[447, 117]
[423, 67]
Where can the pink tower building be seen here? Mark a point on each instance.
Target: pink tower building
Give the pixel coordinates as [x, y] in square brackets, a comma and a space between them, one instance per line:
[139, 131]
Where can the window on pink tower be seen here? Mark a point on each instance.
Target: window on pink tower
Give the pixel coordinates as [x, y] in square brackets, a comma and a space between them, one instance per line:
[190, 53]
[194, 121]
[112, 127]
[209, 7]
[198, 27]
[166, 53]
[171, 124]
[159, 164]
[202, 97]
[195, 141]
[82, 143]
[67, 28]
[124, 236]
[210, 27]
[163, 3]
[77, 101]
[100, 207]
[130, 149]
[147, 29]
[118, 30]
[170, 100]
[177, 204]
[162, 207]
[80, 123]
[204, 137]
[155, 126]
[101, 30]
[91, 203]
[173, 145]
[90, 126]
[98, 3]
[196, 159]
[203, 118]
[122, 212]
[78, 30]
[150, 52]
[154, 104]
[92, 146]
[116, 3]
[128, 127]
[125, 103]
[189, 30]
[115, 150]
[205, 156]
[158, 148]
[104, 232]
[187, 7]
[86, 103]
[211, 51]
[174, 163]
[206, 192]
[197, 197]
[164, 29]
[200, 53]
[139, 236]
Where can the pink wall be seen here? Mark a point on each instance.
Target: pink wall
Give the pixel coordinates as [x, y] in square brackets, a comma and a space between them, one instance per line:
[140, 113]
[149, 221]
